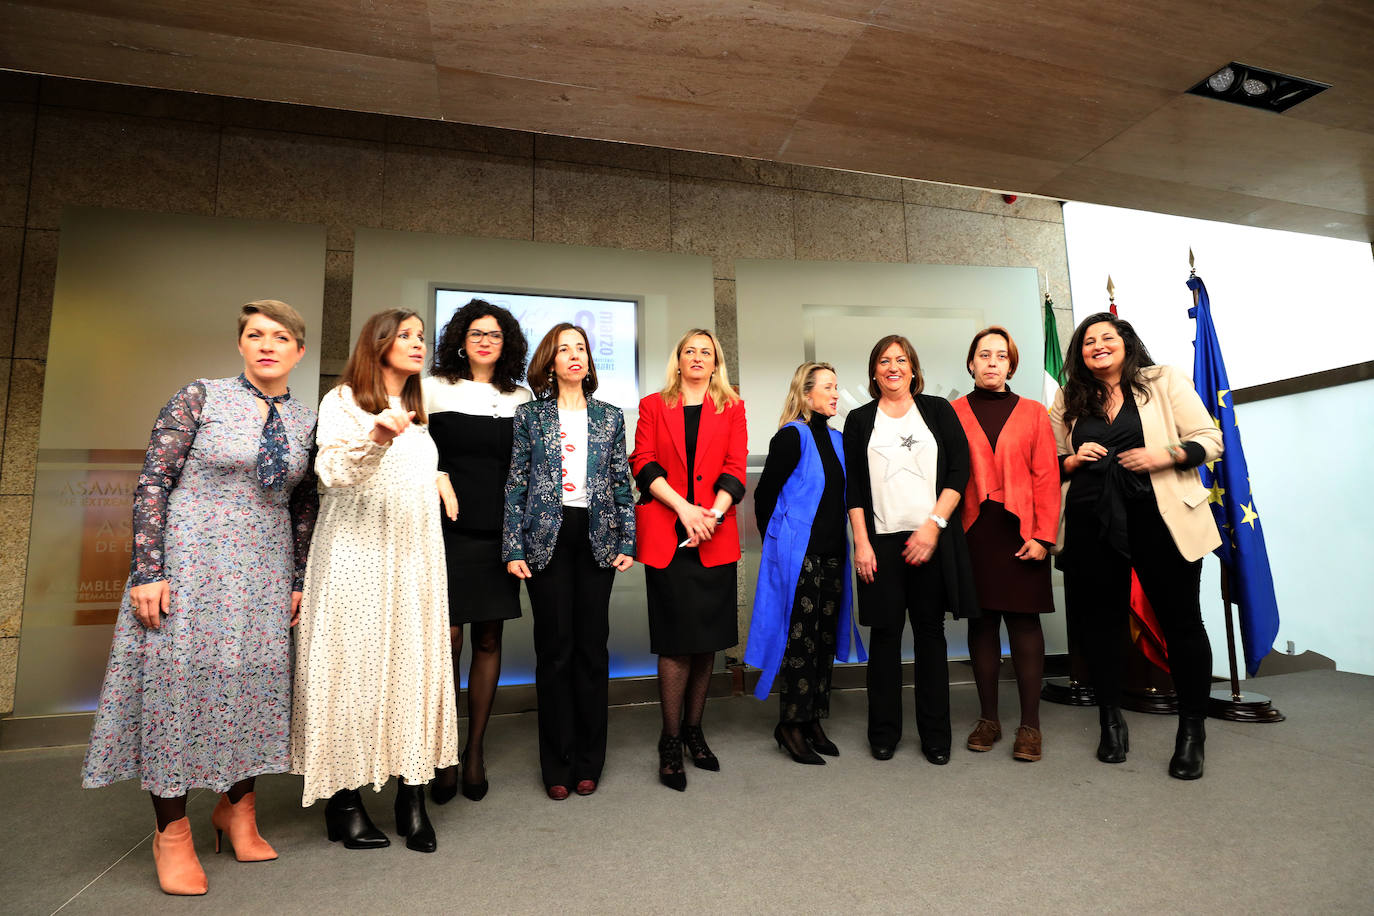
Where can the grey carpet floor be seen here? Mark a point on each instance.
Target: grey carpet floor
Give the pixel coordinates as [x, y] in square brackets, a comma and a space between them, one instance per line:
[1281, 823]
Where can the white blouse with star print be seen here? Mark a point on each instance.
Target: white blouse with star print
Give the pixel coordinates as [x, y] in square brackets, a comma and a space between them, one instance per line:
[901, 469]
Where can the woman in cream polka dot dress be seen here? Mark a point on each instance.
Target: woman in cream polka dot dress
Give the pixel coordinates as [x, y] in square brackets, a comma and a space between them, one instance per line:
[374, 691]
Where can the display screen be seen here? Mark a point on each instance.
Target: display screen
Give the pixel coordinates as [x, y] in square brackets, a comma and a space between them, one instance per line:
[610, 325]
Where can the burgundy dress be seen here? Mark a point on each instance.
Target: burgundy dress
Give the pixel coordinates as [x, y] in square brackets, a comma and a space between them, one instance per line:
[1004, 583]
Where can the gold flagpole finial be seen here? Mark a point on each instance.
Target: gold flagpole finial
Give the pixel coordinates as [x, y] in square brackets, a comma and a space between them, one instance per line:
[1111, 289]
[1192, 265]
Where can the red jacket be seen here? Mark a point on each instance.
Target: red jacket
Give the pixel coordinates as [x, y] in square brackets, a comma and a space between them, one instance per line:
[1023, 473]
[722, 449]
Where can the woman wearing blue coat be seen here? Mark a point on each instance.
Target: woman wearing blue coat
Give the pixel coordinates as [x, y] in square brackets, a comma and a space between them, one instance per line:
[569, 526]
[802, 608]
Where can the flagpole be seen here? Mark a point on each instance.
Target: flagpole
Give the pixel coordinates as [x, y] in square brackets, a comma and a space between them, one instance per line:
[1234, 705]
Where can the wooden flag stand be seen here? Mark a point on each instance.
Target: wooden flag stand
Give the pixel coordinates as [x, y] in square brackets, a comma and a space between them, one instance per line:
[1236, 705]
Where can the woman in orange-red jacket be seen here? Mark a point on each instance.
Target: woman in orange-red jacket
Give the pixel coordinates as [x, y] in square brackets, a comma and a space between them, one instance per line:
[1010, 512]
[691, 445]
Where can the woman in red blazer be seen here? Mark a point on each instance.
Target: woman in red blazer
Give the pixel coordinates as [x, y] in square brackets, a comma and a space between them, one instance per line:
[1011, 516]
[689, 463]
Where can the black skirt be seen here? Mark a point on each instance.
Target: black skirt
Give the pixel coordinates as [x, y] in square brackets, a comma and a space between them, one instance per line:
[479, 588]
[692, 608]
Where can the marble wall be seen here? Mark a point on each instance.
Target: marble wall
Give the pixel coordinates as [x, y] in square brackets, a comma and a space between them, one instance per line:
[67, 142]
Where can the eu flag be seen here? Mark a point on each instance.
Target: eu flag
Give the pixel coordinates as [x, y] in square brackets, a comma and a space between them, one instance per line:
[1244, 559]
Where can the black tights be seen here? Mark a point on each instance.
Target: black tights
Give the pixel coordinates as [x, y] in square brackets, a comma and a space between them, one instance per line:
[174, 809]
[682, 684]
[1027, 658]
[483, 672]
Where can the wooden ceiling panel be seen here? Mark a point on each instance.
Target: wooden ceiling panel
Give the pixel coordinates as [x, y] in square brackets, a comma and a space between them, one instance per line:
[385, 28]
[900, 82]
[1334, 45]
[728, 54]
[75, 44]
[1118, 189]
[912, 154]
[1212, 144]
[602, 114]
[1176, 45]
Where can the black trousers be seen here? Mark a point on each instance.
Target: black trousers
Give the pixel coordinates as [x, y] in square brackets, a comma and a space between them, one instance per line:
[810, 653]
[1097, 592]
[915, 592]
[570, 600]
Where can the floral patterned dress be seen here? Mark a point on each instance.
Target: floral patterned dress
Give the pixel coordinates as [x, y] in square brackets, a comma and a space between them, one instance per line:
[374, 673]
[205, 701]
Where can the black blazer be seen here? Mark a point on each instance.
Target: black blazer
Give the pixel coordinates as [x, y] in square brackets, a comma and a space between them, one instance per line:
[951, 473]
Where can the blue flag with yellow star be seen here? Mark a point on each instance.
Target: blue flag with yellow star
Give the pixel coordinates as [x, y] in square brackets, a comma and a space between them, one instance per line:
[1242, 550]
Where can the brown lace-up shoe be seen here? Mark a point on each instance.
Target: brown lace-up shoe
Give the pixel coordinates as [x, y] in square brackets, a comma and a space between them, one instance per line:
[1027, 746]
[985, 734]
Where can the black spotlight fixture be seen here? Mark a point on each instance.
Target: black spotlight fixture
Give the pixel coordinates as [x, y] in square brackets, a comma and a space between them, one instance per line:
[1257, 88]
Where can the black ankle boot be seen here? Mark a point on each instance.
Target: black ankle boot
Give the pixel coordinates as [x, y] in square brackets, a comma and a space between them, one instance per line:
[670, 762]
[346, 819]
[697, 748]
[1187, 760]
[444, 786]
[412, 821]
[1116, 738]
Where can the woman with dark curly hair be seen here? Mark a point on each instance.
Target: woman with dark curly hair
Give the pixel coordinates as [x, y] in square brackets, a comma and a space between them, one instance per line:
[1130, 436]
[470, 398]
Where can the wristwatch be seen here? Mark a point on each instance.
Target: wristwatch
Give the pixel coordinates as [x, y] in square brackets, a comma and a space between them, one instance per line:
[939, 522]
[718, 514]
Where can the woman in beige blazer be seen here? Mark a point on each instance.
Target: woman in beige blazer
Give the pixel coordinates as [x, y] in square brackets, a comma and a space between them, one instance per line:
[1130, 436]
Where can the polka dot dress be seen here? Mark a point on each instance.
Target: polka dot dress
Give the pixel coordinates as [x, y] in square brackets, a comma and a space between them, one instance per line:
[374, 681]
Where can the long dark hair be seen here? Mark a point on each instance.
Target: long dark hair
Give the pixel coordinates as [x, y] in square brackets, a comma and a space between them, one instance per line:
[542, 382]
[363, 374]
[450, 356]
[1084, 394]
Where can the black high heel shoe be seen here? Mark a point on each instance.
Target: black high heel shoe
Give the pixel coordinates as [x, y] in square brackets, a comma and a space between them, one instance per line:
[445, 785]
[1116, 738]
[801, 754]
[346, 819]
[474, 791]
[412, 821]
[670, 762]
[815, 735]
[701, 755]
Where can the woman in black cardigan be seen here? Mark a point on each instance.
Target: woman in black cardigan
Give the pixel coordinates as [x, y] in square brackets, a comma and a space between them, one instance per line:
[908, 464]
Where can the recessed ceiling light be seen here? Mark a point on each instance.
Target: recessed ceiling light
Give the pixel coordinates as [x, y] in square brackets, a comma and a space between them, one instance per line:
[1257, 88]
[1221, 80]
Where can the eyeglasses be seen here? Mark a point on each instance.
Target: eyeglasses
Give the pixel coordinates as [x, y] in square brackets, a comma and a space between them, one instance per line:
[476, 336]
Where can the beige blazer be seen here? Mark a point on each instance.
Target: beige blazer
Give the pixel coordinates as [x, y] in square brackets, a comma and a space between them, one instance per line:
[1173, 413]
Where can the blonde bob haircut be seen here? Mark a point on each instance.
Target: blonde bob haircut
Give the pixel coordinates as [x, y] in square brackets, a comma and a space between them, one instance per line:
[803, 380]
[717, 387]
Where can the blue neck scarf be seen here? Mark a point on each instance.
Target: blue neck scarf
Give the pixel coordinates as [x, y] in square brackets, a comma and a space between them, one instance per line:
[273, 447]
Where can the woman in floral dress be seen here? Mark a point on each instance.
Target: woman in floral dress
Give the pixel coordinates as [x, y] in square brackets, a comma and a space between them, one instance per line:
[374, 681]
[197, 692]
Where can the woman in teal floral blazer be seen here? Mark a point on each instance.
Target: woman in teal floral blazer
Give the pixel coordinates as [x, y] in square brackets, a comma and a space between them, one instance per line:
[569, 527]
